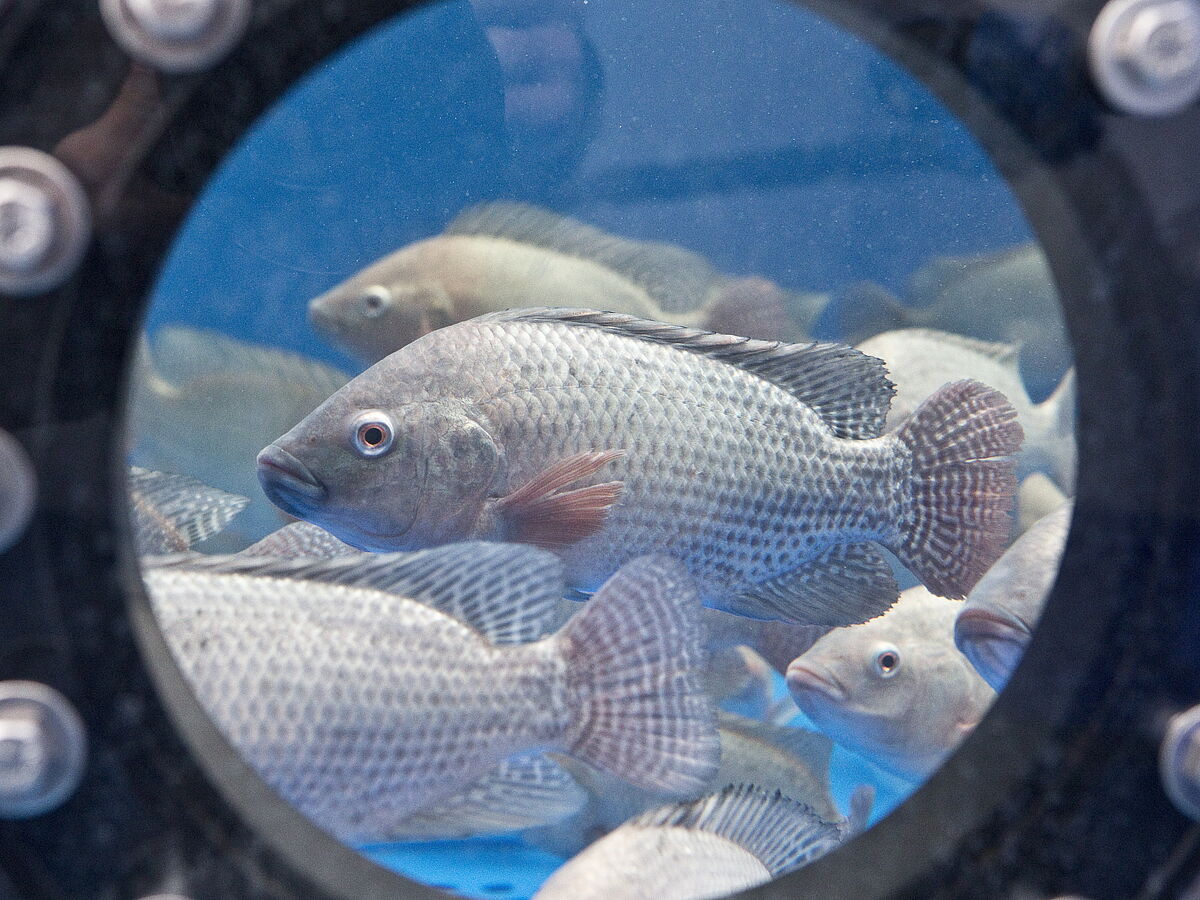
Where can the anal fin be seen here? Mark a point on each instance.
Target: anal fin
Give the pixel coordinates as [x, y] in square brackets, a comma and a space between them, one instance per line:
[844, 585]
[542, 513]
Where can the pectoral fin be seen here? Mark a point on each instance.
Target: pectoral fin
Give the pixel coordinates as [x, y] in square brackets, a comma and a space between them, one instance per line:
[542, 513]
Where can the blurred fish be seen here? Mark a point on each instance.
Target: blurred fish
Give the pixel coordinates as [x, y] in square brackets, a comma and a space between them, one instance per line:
[300, 540]
[171, 513]
[740, 681]
[894, 690]
[996, 623]
[605, 437]
[1037, 497]
[1005, 296]
[501, 255]
[921, 360]
[712, 847]
[204, 404]
[365, 690]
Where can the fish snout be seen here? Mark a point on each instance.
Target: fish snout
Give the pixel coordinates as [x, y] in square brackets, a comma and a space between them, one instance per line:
[324, 318]
[287, 482]
[808, 678]
[992, 642]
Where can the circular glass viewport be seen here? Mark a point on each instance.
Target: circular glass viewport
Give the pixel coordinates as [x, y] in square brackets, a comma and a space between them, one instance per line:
[484, 513]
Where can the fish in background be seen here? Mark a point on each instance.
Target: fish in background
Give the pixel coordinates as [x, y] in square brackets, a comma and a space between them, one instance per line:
[740, 681]
[365, 690]
[1037, 497]
[996, 623]
[604, 437]
[502, 255]
[171, 513]
[894, 690]
[921, 360]
[712, 847]
[203, 404]
[1006, 296]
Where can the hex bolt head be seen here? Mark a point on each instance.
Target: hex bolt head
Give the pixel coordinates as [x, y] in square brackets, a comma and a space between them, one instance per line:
[1179, 761]
[18, 490]
[176, 35]
[45, 221]
[1145, 55]
[42, 749]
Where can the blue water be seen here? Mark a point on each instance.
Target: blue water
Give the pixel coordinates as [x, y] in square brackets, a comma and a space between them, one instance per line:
[754, 133]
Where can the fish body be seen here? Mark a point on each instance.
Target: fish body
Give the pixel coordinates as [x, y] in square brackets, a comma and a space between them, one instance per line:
[895, 689]
[362, 706]
[605, 437]
[503, 255]
[921, 360]
[723, 843]
[996, 622]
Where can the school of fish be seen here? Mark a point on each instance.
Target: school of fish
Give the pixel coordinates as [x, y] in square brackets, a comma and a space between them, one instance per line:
[602, 550]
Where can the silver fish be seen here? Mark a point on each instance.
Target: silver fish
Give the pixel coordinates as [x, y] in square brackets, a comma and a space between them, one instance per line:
[502, 255]
[996, 623]
[894, 690]
[605, 437]
[171, 513]
[921, 360]
[361, 690]
[712, 847]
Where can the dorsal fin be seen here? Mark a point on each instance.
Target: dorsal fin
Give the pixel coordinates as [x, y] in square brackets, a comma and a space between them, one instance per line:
[849, 390]
[782, 833]
[677, 279]
[301, 539]
[508, 592]
[180, 504]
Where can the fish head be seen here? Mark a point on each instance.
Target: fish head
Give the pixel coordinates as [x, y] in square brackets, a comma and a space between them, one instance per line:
[993, 638]
[382, 478]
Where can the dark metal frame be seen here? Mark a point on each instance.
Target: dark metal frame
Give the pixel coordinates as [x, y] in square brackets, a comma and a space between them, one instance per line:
[1057, 790]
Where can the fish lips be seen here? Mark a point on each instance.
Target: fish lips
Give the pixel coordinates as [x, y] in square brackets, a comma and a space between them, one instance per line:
[807, 678]
[992, 642]
[288, 483]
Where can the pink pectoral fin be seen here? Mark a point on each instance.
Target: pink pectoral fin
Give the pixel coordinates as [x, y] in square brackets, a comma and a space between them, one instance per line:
[540, 512]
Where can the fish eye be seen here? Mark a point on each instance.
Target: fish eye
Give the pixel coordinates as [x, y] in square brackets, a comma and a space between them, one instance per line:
[886, 661]
[374, 300]
[372, 433]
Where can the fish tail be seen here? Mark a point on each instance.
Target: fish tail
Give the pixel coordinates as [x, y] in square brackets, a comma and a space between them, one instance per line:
[962, 485]
[634, 656]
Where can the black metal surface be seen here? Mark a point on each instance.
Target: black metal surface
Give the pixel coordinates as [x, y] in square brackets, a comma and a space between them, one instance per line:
[1056, 791]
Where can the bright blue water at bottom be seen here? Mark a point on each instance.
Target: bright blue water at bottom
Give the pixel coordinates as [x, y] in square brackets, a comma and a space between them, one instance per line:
[503, 867]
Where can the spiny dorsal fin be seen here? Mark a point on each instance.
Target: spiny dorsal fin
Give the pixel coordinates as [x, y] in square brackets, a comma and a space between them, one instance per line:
[508, 592]
[301, 539]
[191, 508]
[848, 389]
[678, 279]
[812, 747]
[1006, 354]
[782, 833]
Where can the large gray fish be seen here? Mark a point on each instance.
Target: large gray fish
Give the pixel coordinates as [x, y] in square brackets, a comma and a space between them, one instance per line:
[996, 623]
[502, 255]
[605, 437]
[173, 512]
[361, 690]
[921, 360]
[894, 690]
[712, 847]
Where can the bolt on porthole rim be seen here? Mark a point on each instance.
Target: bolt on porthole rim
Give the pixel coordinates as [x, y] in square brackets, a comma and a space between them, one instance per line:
[18, 490]
[1145, 55]
[176, 36]
[43, 749]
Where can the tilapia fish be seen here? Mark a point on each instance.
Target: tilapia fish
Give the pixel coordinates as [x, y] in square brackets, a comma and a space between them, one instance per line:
[712, 847]
[365, 690]
[605, 437]
[503, 254]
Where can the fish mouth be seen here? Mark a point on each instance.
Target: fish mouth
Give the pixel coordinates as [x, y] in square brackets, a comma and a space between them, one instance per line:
[324, 320]
[287, 482]
[802, 677]
[992, 642]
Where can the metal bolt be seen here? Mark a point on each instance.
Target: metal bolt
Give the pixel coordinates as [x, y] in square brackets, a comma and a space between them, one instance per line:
[45, 221]
[1145, 54]
[1179, 761]
[42, 749]
[18, 490]
[176, 35]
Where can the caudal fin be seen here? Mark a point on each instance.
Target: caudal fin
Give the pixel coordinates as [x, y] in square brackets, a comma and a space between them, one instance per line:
[634, 655]
[963, 482]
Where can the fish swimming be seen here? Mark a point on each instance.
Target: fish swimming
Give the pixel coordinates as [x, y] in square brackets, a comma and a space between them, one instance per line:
[1006, 296]
[171, 513]
[921, 360]
[501, 255]
[605, 437]
[996, 623]
[713, 847]
[367, 690]
[203, 404]
[895, 690]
